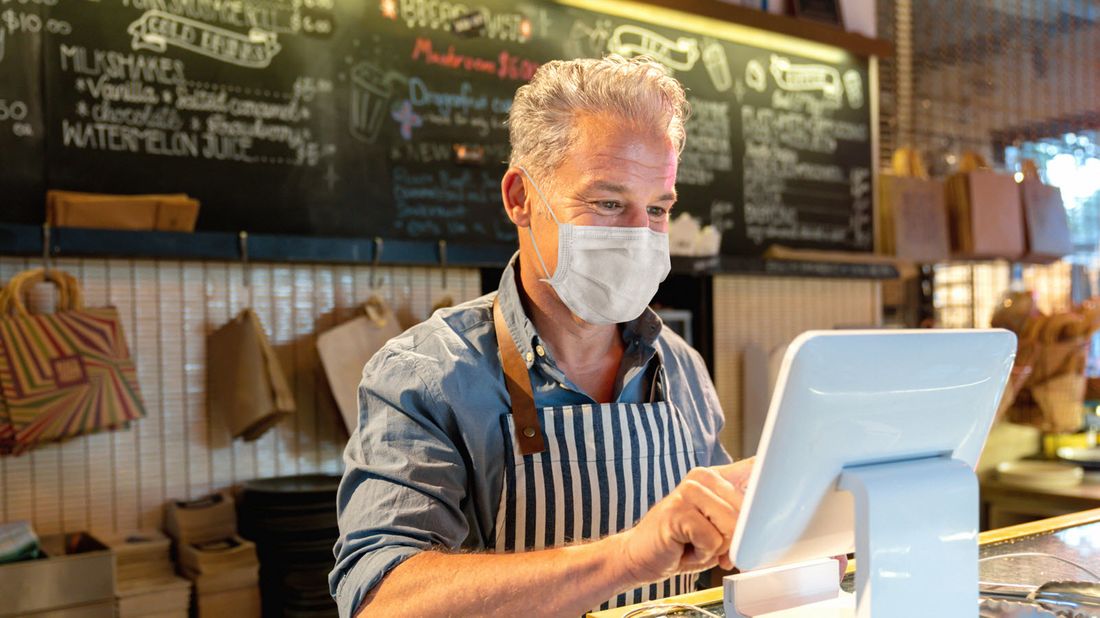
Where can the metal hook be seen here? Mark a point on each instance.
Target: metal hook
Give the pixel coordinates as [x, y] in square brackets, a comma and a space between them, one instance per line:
[443, 260]
[376, 262]
[46, 247]
[242, 245]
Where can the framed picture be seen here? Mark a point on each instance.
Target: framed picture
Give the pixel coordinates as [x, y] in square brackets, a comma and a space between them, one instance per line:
[824, 11]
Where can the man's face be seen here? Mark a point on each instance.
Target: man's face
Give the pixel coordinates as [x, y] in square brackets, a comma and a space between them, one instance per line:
[615, 175]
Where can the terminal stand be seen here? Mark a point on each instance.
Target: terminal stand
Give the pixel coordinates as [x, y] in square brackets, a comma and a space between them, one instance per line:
[916, 527]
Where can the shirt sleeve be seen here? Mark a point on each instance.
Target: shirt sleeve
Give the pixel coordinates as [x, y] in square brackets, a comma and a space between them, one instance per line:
[712, 416]
[404, 479]
[718, 454]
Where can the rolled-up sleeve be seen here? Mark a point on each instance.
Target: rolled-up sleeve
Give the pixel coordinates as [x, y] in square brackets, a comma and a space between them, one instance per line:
[404, 479]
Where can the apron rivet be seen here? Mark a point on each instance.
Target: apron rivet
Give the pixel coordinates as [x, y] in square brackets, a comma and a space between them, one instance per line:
[529, 432]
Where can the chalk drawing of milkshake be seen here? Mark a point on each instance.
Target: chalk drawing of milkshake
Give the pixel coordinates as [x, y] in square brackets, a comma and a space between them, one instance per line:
[714, 58]
[853, 86]
[371, 90]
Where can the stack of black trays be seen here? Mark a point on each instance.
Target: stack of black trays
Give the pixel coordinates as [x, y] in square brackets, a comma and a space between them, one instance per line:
[292, 520]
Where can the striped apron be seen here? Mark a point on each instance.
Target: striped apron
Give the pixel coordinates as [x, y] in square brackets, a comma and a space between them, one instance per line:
[582, 472]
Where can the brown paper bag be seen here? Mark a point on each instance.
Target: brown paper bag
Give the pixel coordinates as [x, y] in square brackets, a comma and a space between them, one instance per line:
[912, 212]
[986, 215]
[346, 348]
[170, 213]
[247, 386]
[1048, 237]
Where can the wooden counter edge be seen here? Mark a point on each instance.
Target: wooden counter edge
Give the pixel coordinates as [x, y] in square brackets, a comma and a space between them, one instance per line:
[1042, 526]
[700, 597]
[989, 537]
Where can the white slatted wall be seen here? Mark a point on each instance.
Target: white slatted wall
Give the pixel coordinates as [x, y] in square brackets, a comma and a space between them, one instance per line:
[770, 312]
[120, 480]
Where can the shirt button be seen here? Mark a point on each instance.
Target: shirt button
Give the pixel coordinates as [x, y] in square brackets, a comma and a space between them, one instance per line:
[541, 351]
[530, 357]
[529, 432]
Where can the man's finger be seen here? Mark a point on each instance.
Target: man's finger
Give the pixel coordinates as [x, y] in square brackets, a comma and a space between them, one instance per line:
[737, 473]
[714, 481]
[714, 507]
[724, 561]
[698, 531]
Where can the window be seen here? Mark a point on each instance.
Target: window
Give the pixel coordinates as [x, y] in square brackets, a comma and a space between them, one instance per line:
[1072, 163]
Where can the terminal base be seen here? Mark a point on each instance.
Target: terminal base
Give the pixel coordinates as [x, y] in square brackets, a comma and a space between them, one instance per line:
[916, 528]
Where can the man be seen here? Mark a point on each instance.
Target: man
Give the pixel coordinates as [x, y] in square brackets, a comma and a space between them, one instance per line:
[554, 429]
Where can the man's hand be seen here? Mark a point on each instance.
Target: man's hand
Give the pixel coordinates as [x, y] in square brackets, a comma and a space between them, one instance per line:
[691, 528]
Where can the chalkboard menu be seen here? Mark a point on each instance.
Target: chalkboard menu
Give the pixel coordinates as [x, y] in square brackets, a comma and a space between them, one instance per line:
[22, 150]
[387, 117]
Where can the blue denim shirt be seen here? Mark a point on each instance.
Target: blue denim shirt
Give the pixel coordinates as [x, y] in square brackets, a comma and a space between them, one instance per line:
[424, 467]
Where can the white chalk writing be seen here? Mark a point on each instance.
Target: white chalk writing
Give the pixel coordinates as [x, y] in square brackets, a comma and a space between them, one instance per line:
[278, 16]
[120, 65]
[15, 22]
[156, 30]
[439, 203]
[708, 143]
[464, 107]
[442, 14]
[142, 104]
[818, 78]
[630, 40]
[795, 189]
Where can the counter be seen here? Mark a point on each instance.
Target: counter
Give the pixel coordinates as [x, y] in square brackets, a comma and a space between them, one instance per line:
[1074, 537]
[1007, 504]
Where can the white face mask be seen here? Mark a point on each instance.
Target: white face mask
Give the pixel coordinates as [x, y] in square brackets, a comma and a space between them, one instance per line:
[605, 275]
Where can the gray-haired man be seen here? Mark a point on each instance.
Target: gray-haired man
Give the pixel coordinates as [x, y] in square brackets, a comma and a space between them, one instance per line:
[554, 430]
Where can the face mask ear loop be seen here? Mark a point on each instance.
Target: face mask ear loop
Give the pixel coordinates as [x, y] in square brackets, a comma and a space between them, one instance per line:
[542, 197]
[530, 231]
[539, 254]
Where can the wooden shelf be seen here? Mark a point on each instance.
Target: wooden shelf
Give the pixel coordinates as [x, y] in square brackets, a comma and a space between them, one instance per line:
[782, 24]
[766, 267]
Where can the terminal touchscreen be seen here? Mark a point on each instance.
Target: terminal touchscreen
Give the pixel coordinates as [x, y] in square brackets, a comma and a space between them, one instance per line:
[878, 430]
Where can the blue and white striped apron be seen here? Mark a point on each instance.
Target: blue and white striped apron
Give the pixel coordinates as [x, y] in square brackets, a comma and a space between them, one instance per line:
[603, 467]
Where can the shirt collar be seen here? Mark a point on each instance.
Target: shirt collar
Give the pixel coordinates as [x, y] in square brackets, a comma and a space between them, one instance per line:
[511, 307]
[642, 331]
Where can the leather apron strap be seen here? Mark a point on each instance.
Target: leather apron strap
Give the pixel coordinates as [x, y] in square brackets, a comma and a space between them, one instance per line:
[529, 436]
